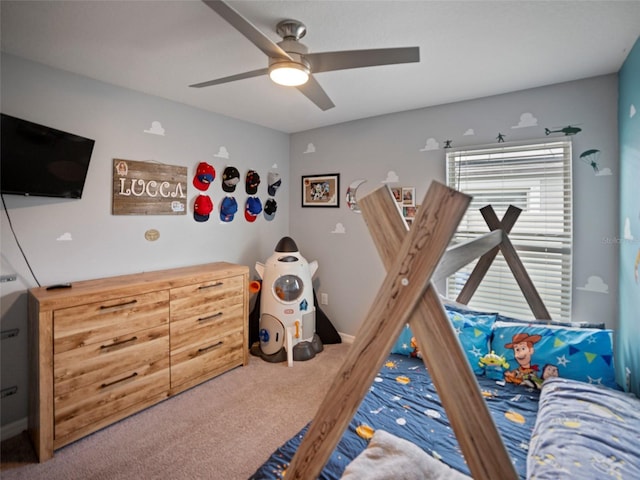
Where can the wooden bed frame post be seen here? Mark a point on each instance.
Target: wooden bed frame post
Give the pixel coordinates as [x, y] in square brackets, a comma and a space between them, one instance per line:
[442, 354]
[513, 261]
[484, 262]
[406, 295]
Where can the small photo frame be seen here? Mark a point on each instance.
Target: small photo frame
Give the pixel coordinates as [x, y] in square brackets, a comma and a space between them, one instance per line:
[408, 196]
[397, 193]
[408, 212]
[321, 190]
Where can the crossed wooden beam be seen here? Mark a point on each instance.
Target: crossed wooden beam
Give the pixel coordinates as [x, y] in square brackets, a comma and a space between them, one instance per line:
[412, 259]
[511, 257]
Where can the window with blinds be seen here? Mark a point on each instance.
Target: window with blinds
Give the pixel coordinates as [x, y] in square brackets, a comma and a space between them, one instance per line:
[537, 179]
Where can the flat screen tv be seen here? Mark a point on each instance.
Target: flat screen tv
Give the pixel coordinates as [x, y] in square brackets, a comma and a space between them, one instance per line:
[42, 161]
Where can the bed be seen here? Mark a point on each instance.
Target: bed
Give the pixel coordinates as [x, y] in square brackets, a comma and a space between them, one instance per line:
[582, 423]
[487, 410]
[403, 401]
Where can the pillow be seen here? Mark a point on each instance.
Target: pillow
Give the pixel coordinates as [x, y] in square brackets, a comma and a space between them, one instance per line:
[461, 307]
[403, 343]
[473, 330]
[583, 354]
[502, 318]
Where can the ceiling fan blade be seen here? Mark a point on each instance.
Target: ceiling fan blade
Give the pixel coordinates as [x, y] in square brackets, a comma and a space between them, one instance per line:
[232, 78]
[329, 61]
[314, 92]
[246, 28]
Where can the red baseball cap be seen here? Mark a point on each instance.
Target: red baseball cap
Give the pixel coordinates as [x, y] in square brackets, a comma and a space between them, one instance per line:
[205, 174]
[202, 207]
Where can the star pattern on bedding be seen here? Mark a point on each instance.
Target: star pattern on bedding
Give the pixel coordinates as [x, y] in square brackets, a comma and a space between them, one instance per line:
[411, 409]
[476, 352]
[400, 410]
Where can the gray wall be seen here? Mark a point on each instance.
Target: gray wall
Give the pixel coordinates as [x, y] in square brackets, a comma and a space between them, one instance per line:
[349, 269]
[103, 244]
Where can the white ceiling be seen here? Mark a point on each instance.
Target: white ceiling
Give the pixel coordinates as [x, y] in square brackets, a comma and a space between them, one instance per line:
[468, 49]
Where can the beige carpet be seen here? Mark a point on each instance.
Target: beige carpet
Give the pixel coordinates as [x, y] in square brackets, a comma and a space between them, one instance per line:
[223, 429]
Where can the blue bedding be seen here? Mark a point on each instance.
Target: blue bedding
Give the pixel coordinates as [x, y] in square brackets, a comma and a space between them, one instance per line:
[403, 401]
[585, 431]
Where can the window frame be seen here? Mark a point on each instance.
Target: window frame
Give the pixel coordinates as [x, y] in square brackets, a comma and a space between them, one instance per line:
[537, 174]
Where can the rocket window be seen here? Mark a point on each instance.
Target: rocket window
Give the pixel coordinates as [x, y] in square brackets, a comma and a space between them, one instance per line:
[288, 258]
[288, 288]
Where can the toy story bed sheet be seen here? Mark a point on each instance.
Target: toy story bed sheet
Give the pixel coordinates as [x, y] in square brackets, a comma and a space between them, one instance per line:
[403, 401]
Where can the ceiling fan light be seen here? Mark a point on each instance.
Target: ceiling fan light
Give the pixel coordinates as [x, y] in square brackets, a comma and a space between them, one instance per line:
[289, 74]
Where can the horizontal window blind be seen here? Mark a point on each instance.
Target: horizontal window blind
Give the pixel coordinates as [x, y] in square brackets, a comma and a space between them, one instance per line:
[537, 179]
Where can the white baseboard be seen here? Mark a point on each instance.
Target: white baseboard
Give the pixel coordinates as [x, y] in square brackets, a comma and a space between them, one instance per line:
[12, 429]
[347, 338]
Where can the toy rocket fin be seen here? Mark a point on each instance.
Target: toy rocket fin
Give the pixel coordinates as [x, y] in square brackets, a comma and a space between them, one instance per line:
[313, 266]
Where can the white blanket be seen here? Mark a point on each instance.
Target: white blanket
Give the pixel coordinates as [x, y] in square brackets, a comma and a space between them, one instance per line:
[389, 457]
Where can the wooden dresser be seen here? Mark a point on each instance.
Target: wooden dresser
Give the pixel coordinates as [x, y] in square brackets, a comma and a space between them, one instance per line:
[105, 349]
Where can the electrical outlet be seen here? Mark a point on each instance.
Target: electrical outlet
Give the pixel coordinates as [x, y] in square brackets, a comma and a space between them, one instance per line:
[8, 278]
[9, 333]
[5, 392]
[324, 298]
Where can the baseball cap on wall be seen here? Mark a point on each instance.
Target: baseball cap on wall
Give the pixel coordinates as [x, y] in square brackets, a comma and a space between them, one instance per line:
[205, 174]
[273, 182]
[230, 178]
[228, 209]
[270, 208]
[253, 180]
[252, 209]
[202, 208]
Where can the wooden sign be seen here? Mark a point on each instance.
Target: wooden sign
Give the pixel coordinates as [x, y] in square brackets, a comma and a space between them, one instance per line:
[146, 188]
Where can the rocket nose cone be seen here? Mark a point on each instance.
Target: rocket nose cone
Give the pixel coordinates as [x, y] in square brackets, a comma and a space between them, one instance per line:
[286, 244]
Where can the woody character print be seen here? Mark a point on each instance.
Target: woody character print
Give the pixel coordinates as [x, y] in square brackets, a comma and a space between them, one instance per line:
[526, 373]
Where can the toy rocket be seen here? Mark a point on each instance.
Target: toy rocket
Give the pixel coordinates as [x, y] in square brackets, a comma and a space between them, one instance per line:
[287, 311]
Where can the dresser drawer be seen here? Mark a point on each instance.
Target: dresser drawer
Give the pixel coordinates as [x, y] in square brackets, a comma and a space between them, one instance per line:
[108, 321]
[203, 327]
[92, 364]
[199, 298]
[92, 382]
[207, 359]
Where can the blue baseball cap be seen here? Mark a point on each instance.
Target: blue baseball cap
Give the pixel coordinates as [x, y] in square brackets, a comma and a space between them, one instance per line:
[252, 209]
[228, 208]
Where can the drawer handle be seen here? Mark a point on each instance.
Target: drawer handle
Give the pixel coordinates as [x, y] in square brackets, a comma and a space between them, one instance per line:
[210, 347]
[119, 344]
[217, 284]
[131, 302]
[210, 317]
[105, 385]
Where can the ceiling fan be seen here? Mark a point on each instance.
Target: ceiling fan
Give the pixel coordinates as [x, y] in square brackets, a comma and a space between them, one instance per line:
[290, 62]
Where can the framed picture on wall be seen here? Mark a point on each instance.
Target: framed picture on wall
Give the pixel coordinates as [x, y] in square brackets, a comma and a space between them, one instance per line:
[321, 190]
[408, 196]
[397, 193]
[409, 212]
